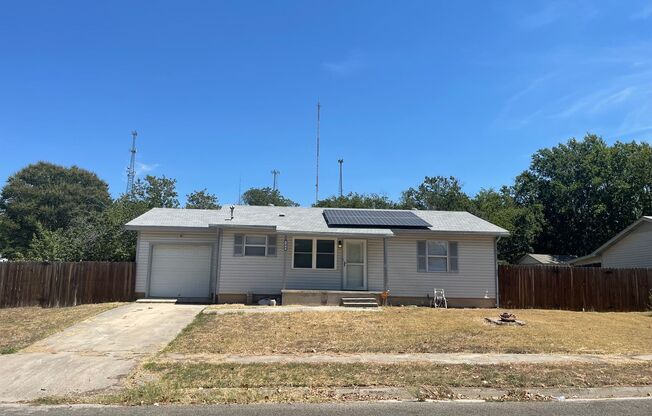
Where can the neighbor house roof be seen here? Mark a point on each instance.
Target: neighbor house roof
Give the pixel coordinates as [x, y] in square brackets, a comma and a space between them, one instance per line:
[595, 255]
[298, 220]
[550, 258]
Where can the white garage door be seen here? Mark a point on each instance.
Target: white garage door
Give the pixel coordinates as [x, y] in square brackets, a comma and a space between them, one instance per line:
[180, 271]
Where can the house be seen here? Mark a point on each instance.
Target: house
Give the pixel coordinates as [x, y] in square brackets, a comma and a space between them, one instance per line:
[315, 255]
[534, 259]
[630, 248]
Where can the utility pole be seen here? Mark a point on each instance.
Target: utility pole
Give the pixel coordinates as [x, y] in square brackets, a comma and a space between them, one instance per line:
[131, 170]
[317, 176]
[275, 174]
[340, 161]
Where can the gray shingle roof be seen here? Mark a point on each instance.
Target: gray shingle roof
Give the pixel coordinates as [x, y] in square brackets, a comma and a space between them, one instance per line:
[299, 220]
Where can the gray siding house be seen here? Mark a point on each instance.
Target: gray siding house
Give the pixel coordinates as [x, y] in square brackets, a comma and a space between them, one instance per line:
[312, 255]
[631, 248]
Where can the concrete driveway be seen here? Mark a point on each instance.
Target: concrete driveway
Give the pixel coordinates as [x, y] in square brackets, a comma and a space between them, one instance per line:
[92, 355]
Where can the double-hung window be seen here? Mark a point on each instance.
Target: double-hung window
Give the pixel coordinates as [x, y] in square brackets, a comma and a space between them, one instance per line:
[254, 245]
[313, 253]
[437, 256]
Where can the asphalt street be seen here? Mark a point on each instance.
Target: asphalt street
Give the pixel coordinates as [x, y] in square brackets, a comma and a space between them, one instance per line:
[629, 407]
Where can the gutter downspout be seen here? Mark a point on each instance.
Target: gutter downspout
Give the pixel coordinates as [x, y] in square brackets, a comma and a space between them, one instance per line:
[496, 270]
[385, 266]
[285, 263]
[220, 240]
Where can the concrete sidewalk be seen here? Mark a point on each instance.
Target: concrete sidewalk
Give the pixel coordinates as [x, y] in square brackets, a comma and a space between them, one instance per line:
[444, 358]
[95, 354]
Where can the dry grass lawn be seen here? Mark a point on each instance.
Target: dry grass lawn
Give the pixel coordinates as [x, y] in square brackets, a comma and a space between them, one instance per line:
[225, 383]
[416, 330]
[20, 327]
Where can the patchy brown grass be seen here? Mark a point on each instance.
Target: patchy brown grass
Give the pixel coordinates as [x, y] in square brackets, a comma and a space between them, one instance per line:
[202, 375]
[416, 330]
[21, 327]
[250, 383]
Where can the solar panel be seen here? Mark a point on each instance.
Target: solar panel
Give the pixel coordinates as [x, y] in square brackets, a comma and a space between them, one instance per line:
[373, 218]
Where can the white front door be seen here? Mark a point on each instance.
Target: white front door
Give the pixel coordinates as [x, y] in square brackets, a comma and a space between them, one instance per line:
[355, 264]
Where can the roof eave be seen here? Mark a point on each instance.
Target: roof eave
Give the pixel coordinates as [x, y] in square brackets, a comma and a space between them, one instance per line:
[163, 228]
[613, 240]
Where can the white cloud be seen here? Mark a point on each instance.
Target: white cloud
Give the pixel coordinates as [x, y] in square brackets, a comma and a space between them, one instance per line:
[644, 13]
[555, 11]
[144, 168]
[350, 65]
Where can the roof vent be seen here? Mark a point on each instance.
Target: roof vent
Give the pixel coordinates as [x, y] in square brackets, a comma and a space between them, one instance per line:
[270, 205]
[281, 214]
[232, 208]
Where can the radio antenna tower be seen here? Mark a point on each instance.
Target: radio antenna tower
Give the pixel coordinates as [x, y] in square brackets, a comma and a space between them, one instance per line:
[131, 170]
[275, 173]
[317, 176]
[340, 161]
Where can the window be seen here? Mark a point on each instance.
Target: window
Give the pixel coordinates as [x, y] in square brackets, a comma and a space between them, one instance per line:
[254, 245]
[312, 253]
[325, 254]
[302, 254]
[437, 256]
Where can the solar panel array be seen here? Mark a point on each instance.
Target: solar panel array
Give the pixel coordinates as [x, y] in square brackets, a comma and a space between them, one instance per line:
[373, 218]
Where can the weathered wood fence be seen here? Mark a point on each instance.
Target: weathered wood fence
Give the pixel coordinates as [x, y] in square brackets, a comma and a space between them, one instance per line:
[574, 288]
[65, 284]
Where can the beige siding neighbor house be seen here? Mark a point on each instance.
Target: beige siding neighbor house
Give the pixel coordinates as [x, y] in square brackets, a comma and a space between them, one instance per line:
[535, 259]
[631, 248]
[315, 255]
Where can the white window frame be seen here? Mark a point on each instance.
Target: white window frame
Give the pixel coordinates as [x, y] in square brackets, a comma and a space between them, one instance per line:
[244, 244]
[314, 253]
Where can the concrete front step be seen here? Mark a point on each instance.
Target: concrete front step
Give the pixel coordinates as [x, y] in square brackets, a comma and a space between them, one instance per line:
[360, 302]
[359, 305]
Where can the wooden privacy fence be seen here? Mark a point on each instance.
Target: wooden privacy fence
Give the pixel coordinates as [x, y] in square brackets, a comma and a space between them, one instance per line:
[65, 284]
[574, 288]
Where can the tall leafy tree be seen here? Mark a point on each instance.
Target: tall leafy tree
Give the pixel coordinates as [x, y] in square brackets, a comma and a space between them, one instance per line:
[437, 193]
[202, 200]
[45, 196]
[522, 222]
[266, 196]
[356, 200]
[157, 192]
[588, 191]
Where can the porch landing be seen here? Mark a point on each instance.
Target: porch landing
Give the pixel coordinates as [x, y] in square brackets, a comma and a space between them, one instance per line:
[324, 297]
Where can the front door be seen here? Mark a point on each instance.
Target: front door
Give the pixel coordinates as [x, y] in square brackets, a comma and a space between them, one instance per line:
[355, 264]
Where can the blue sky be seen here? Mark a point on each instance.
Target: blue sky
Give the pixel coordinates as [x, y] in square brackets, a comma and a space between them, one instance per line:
[221, 91]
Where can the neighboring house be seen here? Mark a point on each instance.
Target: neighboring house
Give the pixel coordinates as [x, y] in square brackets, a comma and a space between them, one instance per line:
[315, 255]
[534, 259]
[631, 248]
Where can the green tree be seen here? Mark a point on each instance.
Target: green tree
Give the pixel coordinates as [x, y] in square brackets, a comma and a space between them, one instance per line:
[522, 222]
[266, 196]
[46, 197]
[156, 192]
[437, 193]
[202, 200]
[356, 200]
[588, 191]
